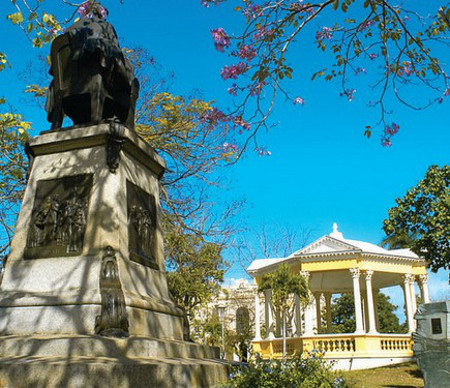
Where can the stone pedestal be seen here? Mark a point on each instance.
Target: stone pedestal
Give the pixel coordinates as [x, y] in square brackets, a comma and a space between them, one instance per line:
[432, 343]
[87, 259]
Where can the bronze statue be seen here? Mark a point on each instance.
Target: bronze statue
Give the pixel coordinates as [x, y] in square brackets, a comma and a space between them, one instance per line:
[92, 80]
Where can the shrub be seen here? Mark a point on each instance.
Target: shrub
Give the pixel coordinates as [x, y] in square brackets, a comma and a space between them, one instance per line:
[306, 371]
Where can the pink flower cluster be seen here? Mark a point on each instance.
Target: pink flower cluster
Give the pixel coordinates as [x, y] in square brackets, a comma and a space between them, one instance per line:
[247, 52]
[213, 117]
[252, 11]
[349, 93]
[372, 56]
[299, 101]
[406, 69]
[262, 151]
[366, 24]
[206, 3]
[389, 131]
[324, 33]
[233, 71]
[240, 122]
[230, 147]
[256, 88]
[221, 39]
[233, 90]
[392, 129]
[261, 33]
[360, 70]
[89, 9]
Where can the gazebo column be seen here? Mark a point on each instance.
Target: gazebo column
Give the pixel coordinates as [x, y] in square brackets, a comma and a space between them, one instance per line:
[408, 303]
[309, 318]
[298, 316]
[328, 310]
[309, 312]
[317, 296]
[377, 321]
[424, 288]
[370, 302]
[257, 319]
[269, 314]
[357, 298]
[413, 299]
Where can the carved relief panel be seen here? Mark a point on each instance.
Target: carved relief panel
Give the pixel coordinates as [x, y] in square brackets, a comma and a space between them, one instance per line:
[141, 215]
[59, 216]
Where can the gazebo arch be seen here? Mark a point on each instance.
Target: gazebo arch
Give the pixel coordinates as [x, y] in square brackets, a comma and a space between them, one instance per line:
[335, 265]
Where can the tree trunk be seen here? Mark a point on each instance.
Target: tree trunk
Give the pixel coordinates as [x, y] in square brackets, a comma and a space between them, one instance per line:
[186, 327]
[284, 334]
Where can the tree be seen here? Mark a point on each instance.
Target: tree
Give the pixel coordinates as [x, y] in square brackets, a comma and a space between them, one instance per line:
[424, 215]
[396, 43]
[196, 269]
[284, 285]
[343, 314]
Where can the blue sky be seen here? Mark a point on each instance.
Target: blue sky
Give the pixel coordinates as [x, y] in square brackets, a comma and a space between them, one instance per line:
[322, 169]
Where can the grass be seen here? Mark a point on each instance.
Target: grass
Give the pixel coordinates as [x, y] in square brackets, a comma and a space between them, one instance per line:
[405, 375]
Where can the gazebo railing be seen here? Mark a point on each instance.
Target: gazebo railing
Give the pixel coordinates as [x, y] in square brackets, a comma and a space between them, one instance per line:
[339, 345]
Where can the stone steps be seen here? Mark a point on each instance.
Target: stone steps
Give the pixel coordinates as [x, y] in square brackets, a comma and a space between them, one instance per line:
[97, 346]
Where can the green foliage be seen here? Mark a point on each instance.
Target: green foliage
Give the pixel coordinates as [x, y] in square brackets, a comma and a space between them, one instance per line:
[424, 215]
[196, 269]
[387, 320]
[299, 371]
[13, 167]
[284, 284]
[343, 314]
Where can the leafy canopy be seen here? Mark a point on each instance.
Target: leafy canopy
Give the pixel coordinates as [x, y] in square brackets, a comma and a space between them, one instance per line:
[284, 284]
[424, 215]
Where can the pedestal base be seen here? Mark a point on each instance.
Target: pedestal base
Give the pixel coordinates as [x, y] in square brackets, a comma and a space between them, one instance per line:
[93, 361]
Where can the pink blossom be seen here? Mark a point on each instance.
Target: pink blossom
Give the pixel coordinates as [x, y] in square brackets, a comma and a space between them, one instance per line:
[299, 100]
[360, 70]
[252, 11]
[239, 121]
[392, 129]
[324, 33]
[221, 39]
[256, 88]
[262, 151]
[406, 69]
[349, 93]
[89, 10]
[229, 147]
[233, 71]
[386, 142]
[366, 24]
[247, 52]
[261, 33]
[206, 3]
[373, 56]
[233, 90]
[213, 116]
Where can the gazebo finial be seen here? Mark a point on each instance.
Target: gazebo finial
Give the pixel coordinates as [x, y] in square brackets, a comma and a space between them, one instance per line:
[336, 233]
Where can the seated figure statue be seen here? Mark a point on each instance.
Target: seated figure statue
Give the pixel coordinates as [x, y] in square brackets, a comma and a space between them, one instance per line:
[92, 80]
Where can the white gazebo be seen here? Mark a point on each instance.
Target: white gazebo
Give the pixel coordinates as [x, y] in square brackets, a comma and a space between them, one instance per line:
[336, 265]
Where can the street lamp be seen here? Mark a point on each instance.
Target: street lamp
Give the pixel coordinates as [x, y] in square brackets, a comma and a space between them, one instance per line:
[221, 311]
